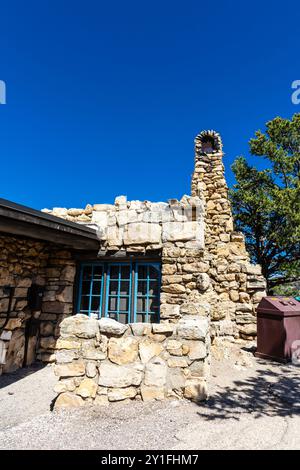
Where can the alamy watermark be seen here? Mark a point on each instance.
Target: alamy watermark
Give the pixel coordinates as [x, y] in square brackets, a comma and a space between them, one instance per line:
[2, 92]
[296, 94]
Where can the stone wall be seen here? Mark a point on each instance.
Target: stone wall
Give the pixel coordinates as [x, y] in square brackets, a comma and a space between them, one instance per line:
[24, 262]
[103, 361]
[237, 285]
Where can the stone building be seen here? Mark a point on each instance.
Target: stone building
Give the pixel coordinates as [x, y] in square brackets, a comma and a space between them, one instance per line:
[175, 271]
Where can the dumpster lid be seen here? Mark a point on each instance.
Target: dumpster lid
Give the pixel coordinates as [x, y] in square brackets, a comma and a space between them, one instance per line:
[279, 305]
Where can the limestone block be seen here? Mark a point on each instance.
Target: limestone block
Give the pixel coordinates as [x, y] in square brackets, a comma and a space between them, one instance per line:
[67, 385]
[149, 349]
[177, 362]
[169, 311]
[87, 388]
[113, 375]
[140, 329]
[5, 335]
[203, 282]
[196, 389]
[68, 400]
[155, 372]
[163, 328]
[174, 289]
[65, 356]
[79, 325]
[142, 233]
[48, 342]
[13, 324]
[152, 393]
[46, 328]
[192, 327]
[123, 350]
[118, 394]
[195, 308]
[175, 379]
[183, 231]
[112, 327]
[174, 347]
[75, 369]
[65, 295]
[68, 343]
[91, 370]
[197, 350]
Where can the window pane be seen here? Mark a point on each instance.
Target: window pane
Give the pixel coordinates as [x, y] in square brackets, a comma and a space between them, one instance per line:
[124, 288]
[125, 272]
[98, 271]
[141, 304]
[142, 272]
[123, 318]
[113, 288]
[96, 287]
[95, 307]
[112, 304]
[142, 288]
[153, 288]
[84, 303]
[114, 272]
[124, 304]
[153, 305]
[153, 272]
[85, 289]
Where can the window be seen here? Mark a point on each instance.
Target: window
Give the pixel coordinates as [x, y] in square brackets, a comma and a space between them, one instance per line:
[126, 292]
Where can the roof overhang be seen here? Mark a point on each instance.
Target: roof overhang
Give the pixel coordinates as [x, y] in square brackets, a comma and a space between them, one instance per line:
[16, 219]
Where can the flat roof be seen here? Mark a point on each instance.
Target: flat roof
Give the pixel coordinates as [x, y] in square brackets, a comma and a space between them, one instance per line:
[16, 219]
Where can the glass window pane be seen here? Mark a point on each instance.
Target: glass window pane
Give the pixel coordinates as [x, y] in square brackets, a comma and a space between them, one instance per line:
[113, 287]
[153, 288]
[95, 304]
[124, 288]
[114, 316]
[98, 271]
[141, 304]
[123, 304]
[114, 272]
[125, 272]
[142, 288]
[153, 272]
[85, 288]
[112, 304]
[96, 287]
[140, 317]
[153, 305]
[84, 303]
[123, 318]
[142, 272]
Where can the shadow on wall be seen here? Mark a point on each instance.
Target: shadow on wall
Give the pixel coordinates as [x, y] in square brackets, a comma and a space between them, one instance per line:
[267, 393]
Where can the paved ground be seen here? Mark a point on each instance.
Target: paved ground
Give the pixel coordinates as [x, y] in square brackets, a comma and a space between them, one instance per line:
[253, 405]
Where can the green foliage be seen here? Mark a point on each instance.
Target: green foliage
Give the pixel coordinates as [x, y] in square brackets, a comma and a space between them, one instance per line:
[266, 203]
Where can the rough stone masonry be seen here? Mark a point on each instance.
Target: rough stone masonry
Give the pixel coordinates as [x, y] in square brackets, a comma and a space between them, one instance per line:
[209, 291]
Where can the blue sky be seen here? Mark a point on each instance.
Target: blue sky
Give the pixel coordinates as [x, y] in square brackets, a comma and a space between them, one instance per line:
[105, 98]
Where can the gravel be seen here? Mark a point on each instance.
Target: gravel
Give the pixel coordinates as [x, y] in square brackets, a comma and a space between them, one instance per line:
[253, 404]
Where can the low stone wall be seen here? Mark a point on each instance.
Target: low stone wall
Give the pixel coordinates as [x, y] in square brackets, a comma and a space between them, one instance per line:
[103, 361]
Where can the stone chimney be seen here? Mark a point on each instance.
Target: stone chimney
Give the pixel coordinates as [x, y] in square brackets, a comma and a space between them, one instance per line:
[237, 285]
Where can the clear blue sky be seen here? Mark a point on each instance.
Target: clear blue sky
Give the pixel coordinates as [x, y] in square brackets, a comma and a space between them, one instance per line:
[105, 97]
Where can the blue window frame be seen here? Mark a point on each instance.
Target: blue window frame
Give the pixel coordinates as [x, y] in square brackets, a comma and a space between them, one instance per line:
[125, 291]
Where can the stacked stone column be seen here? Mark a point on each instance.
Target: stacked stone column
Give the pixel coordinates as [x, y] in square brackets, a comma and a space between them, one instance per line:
[237, 286]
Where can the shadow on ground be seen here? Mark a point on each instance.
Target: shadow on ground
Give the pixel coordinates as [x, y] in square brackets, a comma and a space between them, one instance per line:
[19, 374]
[270, 391]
